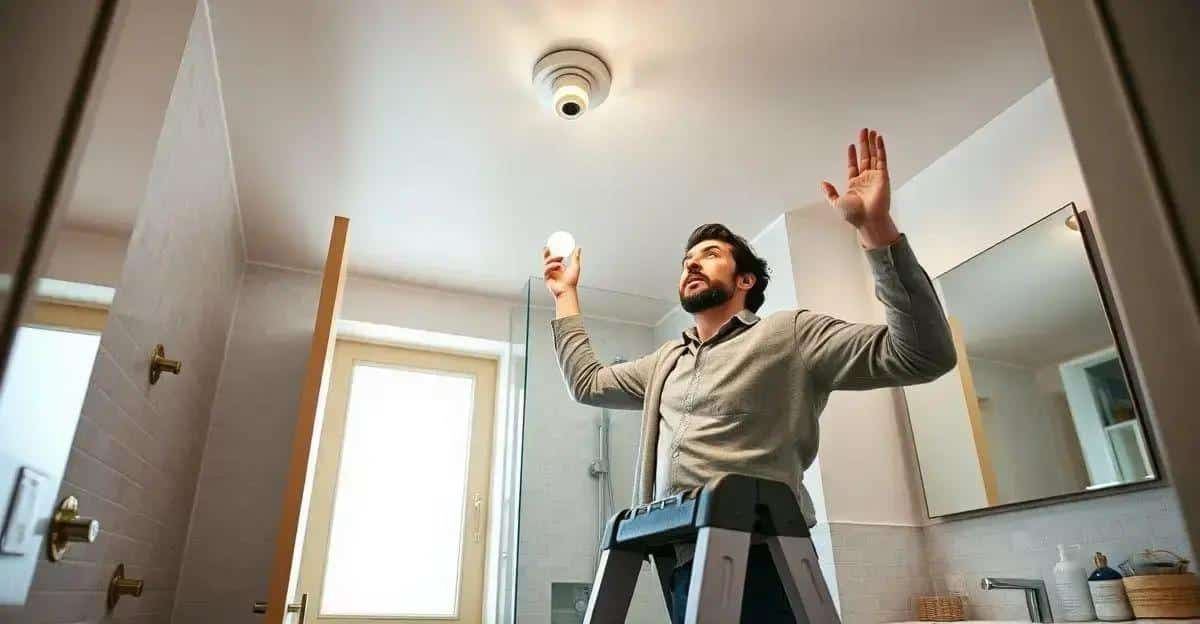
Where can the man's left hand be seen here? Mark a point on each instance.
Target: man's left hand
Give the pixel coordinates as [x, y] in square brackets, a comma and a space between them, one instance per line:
[866, 204]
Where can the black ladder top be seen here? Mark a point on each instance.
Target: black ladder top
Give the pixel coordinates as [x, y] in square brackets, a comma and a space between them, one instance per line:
[730, 501]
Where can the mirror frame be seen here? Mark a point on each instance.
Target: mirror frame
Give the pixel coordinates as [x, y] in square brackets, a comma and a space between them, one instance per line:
[1128, 370]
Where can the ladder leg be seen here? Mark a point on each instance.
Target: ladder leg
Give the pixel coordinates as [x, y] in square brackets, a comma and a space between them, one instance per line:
[718, 577]
[613, 589]
[796, 561]
[665, 565]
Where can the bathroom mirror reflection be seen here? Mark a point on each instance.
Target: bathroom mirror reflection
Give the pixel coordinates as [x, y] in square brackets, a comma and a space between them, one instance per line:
[1041, 404]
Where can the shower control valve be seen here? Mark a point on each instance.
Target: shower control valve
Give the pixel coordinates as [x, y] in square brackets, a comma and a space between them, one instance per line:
[597, 468]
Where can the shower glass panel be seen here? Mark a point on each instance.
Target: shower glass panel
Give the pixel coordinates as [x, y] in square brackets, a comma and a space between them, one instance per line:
[575, 459]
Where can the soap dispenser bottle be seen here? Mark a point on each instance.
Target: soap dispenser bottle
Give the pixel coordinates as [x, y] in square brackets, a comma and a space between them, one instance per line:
[1108, 592]
[1071, 581]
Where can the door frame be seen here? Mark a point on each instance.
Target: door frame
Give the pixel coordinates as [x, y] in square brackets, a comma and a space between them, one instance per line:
[312, 566]
[285, 563]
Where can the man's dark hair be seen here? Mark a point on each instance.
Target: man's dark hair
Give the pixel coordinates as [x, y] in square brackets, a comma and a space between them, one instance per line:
[743, 257]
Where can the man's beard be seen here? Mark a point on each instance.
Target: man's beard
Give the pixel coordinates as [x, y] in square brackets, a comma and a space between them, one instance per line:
[710, 297]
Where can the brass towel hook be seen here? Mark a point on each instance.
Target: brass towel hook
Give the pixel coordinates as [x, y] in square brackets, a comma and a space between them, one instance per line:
[159, 363]
[121, 586]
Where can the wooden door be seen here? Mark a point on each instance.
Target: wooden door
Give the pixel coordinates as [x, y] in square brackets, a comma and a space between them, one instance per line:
[281, 591]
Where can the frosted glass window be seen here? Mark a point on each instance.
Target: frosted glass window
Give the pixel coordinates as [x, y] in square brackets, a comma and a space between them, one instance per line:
[48, 373]
[397, 528]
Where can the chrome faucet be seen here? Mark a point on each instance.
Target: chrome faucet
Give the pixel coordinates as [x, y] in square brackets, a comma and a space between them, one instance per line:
[1036, 599]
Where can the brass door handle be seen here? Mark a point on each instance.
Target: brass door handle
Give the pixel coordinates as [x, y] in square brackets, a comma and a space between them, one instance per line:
[295, 607]
[120, 586]
[68, 526]
[478, 533]
[159, 363]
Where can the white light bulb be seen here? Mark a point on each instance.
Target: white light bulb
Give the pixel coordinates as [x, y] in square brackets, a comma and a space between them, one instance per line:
[561, 244]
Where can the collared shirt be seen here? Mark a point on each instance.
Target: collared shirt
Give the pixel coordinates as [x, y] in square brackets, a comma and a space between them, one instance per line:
[681, 396]
[684, 391]
[748, 400]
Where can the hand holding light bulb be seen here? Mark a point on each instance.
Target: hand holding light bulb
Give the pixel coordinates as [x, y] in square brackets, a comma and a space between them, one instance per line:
[559, 277]
[561, 244]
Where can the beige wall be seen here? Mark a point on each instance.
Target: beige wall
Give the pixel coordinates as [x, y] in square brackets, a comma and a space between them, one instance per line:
[137, 449]
[428, 309]
[864, 437]
[87, 257]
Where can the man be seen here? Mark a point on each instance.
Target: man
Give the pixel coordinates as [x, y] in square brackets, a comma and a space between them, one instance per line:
[742, 394]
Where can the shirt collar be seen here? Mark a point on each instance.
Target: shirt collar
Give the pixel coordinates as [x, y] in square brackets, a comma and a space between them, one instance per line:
[744, 318]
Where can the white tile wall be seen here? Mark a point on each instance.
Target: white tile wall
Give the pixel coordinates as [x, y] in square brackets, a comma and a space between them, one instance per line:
[879, 569]
[137, 448]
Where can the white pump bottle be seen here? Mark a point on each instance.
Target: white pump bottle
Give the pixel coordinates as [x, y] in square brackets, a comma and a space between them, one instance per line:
[1071, 581]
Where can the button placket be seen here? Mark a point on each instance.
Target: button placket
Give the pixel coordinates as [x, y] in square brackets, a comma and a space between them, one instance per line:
[689, 403]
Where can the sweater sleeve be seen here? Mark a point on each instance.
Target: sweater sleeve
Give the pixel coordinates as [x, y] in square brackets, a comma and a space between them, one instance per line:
[914, 346]
[619, 386]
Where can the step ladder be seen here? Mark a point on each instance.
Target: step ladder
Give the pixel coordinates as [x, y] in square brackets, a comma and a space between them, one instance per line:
[721, 518]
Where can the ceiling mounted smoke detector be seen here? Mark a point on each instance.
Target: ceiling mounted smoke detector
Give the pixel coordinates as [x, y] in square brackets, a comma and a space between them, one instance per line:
[571, 82]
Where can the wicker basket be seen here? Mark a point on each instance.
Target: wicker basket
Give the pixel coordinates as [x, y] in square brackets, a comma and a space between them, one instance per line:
[1164, 595]
[940, 609]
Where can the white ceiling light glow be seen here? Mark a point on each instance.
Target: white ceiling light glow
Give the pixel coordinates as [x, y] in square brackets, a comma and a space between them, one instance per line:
[572, 82]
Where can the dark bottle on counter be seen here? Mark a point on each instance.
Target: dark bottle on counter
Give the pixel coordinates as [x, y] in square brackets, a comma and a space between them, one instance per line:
[1108, 592]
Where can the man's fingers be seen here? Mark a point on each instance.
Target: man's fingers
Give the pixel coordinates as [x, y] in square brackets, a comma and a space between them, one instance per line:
[577, 256]
[851, 163]
[554, 259]
[551, 267]
[879, 148]
[864, 153]
[545, 252]
[831, 194]
[874, 153]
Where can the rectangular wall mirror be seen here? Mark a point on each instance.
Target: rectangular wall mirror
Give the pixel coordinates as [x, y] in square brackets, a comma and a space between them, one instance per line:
[1042, 402]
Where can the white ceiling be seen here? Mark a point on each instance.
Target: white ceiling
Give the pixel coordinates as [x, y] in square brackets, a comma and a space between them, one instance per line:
[417, 120]
[1031, 300]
